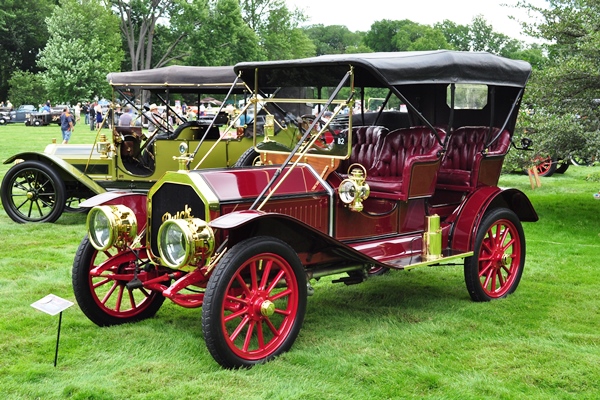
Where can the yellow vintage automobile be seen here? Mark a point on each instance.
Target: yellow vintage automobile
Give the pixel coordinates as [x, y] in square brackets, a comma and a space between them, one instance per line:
[41, 185]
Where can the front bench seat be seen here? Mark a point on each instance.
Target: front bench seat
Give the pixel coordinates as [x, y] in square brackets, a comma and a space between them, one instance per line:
[366, 142]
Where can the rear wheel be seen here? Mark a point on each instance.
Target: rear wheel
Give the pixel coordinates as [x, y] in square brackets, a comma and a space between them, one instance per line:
[33, 192]
[100, 285]
[562, 167]
[495, 269]
[545, 166]
[254, 303]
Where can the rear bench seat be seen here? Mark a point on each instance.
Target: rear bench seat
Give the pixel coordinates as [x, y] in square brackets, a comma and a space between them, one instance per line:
[407, 164]
[466, 164]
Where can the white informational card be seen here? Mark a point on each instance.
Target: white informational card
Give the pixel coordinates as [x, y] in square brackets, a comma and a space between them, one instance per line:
[52, 304]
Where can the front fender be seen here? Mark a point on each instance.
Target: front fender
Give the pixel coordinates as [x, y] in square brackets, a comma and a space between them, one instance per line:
[62, 166]
[137, 202]
[466, 222]
[311, 245]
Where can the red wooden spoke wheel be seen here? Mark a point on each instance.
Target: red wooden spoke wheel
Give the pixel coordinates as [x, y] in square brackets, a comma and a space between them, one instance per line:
[254, 303]
[99, 284]
[545, 166]
[496, 268]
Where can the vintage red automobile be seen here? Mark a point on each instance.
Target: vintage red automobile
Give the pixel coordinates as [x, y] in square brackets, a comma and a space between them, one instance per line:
[360, 194]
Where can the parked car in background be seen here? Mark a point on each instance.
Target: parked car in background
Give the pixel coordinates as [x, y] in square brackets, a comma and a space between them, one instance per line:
[21, 114]
[391, 193]
[38, 118]
[41, 185]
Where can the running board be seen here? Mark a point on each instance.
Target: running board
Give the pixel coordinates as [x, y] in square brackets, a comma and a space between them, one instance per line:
[408, 263]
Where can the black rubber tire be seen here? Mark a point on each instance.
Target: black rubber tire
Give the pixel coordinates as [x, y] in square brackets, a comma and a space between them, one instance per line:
[235, 263]
[39, 189]
[496, 260]
[562, 167]
[2, 121]
[251, 157]
[88, 301]
[37, 123]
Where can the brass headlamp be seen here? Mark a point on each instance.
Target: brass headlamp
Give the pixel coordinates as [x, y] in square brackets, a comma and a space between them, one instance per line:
[353, 190]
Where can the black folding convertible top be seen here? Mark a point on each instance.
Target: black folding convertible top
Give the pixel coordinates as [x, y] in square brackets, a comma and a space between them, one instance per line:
[391, 69]
[178, 78]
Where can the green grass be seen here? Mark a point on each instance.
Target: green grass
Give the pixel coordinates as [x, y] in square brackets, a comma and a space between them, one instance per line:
[404, 335]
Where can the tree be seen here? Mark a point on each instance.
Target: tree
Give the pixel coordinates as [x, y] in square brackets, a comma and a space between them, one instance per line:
[405, 35]
[569, 83]
[138, 23]
[478, 36]
[280, 36]
[333, 39]
[23, 34]
[26, 88]
[217, 34]
[83, 47]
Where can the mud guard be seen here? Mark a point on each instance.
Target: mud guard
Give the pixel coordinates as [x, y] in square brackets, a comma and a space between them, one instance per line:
[464, 226]
[311, 245]
[62, 165]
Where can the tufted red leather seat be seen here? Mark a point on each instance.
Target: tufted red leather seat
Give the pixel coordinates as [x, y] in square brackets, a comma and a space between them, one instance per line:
[408, 163]
[465, 164]
[366, 141]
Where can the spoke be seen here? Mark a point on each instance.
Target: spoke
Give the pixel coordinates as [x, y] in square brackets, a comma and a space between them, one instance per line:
[235, 315]
[500, 278]
[275, 281]
[132, 299]
[239, 329]
[101, 283]
[253, 279]
[260, 336]
[22, 204]
[272, 327]
[265, 276]
[119, 298]
[249, 333]
[485, 267]
[109, 293]
[281, 294]
[243, 284]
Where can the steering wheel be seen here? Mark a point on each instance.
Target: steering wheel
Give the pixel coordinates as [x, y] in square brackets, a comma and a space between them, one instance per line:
[326, 139]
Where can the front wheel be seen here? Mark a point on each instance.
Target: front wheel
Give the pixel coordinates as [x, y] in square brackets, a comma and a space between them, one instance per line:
[495, 269]
[100, 285]
[33, 192]
[254, 303]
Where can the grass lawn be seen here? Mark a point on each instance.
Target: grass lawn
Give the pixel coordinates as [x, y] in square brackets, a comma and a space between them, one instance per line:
[407, 335]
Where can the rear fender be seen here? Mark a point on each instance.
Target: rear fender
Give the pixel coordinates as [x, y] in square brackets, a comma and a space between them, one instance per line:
[66, 170]
[312, 246]
[137, 202]
[464, 229]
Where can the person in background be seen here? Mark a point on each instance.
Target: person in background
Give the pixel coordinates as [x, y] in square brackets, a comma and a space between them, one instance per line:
[85, 110]
[93, 115]
[77, 110]
[66, 125]
[99, 116]
[46, 108]
[126, 117]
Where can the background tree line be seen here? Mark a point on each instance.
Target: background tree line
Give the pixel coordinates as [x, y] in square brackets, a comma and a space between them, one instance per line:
[63, 49]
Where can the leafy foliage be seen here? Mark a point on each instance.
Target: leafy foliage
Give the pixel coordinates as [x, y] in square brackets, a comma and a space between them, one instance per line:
[334, 39]
[23, 34]
[565, 89]
[405, 35]
[84, 46]
[26, 88]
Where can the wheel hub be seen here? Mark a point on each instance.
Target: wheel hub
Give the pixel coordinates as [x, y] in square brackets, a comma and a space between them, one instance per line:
[31, 195]
[267, 308]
